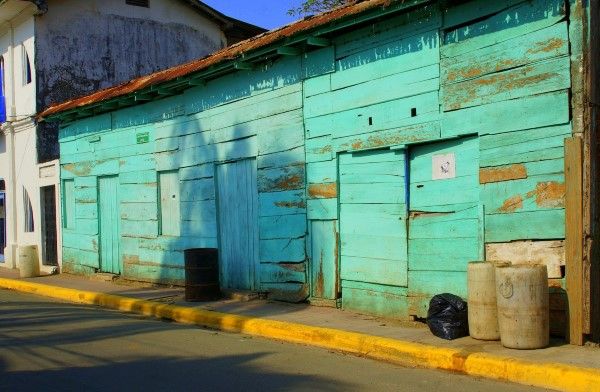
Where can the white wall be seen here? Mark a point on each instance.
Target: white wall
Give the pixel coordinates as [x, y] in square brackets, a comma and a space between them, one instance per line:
[84, 46]
[25, 102]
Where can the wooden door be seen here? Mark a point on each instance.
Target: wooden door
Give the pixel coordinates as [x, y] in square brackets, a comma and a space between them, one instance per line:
[49, 230]
[445, 221]
[170, 212]
[108, 212]
[237, 201]
[373, 218]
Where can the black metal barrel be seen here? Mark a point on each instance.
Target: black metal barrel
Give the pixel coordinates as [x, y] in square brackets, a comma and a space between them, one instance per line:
[201, 274]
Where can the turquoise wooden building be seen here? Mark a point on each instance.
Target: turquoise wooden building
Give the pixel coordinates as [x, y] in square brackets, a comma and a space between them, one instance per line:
[360, 158]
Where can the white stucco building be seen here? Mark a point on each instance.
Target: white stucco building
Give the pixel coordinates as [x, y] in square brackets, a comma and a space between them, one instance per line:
[55, 50]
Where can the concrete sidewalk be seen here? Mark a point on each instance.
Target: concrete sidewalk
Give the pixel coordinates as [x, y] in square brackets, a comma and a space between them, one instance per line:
[561, 366]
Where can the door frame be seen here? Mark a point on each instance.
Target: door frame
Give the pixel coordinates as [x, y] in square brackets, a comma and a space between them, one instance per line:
[255, 283]
[44, 226]
[118, 227]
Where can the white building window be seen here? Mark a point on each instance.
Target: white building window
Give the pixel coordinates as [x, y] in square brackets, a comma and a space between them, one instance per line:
[26, 66]
[28, 225]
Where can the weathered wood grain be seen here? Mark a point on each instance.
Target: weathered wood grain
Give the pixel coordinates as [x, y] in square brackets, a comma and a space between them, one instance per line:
[324, 268]
[574, 235]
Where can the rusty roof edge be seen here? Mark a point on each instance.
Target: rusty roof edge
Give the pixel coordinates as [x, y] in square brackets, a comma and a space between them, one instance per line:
[286, 35]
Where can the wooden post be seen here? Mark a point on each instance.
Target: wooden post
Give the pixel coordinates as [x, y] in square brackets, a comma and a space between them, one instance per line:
[574, 236]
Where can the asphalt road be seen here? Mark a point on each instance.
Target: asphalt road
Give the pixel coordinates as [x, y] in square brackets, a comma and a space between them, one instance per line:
[53, 346]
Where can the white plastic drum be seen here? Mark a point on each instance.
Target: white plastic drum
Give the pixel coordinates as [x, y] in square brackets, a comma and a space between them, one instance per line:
[523, 306]
[483, 311]
[28, 261]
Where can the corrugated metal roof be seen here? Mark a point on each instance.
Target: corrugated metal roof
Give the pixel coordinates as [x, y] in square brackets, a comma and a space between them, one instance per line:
[230, 53]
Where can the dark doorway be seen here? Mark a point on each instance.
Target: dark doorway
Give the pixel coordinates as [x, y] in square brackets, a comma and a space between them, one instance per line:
[50, 254]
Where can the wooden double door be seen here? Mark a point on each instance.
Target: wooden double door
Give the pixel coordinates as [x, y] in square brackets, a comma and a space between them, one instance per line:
[410, 218]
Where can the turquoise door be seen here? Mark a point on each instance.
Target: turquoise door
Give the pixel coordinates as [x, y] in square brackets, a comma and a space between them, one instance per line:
[237, 201]
[108, 212]
[373, 241]
[445, 219]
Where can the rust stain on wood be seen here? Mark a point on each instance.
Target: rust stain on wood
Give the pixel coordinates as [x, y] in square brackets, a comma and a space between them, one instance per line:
[319, 282]
[512, 204]
[470, 91]
[295, 181]
[296, 267]
[81, 169]
[358, 144]
[549, 194]
[324, 150]
[467, 73]
[502, 173]
[504, 64]
[291, 204]
[382, 140]
[322, 191]
[547, 46]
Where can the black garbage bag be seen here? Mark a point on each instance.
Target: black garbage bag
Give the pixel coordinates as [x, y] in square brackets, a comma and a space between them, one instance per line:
[447, 317]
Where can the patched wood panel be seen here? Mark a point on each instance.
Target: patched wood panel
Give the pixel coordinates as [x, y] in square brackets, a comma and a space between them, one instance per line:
[445, 221]
[373, 240]
[324, 259]
[549, 253]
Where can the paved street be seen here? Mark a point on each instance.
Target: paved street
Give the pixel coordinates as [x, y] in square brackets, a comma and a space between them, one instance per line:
[53, 346]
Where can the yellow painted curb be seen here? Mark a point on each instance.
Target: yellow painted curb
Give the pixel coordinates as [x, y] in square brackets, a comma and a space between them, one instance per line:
[547, 375]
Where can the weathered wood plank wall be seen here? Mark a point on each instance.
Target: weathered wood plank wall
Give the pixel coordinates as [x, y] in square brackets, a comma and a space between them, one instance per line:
[489, 69]
[251, 114]
[346, 140]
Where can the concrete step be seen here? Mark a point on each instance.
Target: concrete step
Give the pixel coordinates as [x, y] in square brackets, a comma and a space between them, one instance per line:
[243, 295]
[104, 277]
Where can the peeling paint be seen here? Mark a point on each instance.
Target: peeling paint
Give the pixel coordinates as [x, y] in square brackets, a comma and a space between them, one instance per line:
[464, 74]
[289, 183]
[375, 141]
[512, 204]
[80, 169]
[502, 173]
[549, 194]
[547, 46]
[322, 191]
[319, 282]
[290, 204]
[296, 267]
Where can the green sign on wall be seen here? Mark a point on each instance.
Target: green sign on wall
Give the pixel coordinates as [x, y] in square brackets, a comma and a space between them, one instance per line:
[142, 137]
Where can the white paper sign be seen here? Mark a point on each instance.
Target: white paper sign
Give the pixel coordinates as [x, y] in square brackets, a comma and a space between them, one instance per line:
[443, 167]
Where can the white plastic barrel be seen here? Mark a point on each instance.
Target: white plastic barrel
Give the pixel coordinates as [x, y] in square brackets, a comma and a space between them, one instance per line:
[483, 311]
[28, 261]
[523, 306]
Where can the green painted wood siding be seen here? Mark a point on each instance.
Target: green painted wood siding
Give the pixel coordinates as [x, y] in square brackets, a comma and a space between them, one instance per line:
[108, 206]
[492, 77]
[445, 221]
[248, 115]
[68, 204]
